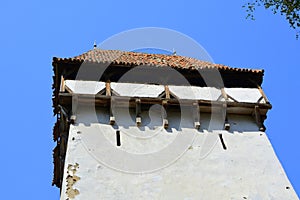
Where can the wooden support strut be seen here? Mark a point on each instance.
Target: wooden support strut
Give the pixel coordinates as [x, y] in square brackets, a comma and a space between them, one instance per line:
[112, 119]
[225, 96]
[62, 84]
[111, 116]
[226, 123]
[167, 92]
[164, 113]
[196, 115]
[138, 118]
[258, 119]
[263, 94]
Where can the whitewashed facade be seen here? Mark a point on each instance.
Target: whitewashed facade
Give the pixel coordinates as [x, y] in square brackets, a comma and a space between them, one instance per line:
[129, 140]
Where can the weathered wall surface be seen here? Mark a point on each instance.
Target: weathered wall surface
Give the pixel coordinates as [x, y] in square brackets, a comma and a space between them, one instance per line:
[96, 168]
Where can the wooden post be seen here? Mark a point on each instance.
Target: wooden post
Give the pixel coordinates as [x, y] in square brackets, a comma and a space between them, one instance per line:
[167, 92]
[196, 115]
[225, 96]
[62, 84]
[111, 116]
[138, 112]
[258, 119]
[107, 87]
[164, 113]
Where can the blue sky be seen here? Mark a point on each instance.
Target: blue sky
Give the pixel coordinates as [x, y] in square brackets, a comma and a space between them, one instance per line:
[32, 32]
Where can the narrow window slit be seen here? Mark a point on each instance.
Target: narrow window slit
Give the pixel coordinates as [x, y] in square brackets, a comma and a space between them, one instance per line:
[222, 141]
[118, 137]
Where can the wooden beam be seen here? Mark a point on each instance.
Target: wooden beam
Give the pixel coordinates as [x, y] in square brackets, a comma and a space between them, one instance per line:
[65, 99]
[164, 113]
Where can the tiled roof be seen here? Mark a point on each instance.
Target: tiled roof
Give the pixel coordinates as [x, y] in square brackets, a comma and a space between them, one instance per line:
[134, 58]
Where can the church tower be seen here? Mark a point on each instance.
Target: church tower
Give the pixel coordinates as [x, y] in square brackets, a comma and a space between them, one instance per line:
[152, 126]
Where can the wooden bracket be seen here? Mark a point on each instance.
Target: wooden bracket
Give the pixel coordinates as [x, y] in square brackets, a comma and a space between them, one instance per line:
[167, 94]
[196, 115]
[111, 116]
[138, 118]
[258, 119]
[224, 107]
[164, 113]
[226, 123]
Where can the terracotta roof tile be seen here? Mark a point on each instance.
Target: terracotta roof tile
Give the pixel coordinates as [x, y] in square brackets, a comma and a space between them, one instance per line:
[134, 58]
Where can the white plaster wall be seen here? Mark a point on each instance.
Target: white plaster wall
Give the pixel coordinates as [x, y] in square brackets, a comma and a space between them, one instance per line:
[248, 169]
[249, 95]
[193, 92]
[84, 87]
[137, 90]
